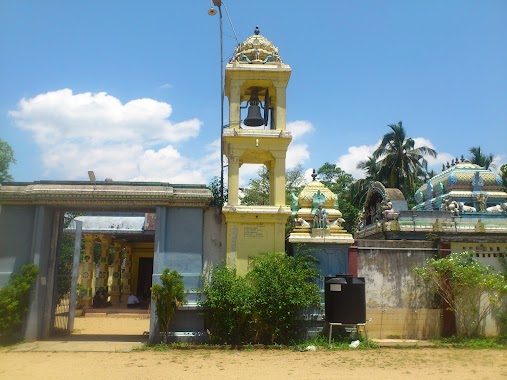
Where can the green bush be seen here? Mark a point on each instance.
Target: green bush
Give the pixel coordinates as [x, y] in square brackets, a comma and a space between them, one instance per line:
[14, 300]
[264, 306]
[168, 296]
[465, 285]
[283, 286]
[227, 307]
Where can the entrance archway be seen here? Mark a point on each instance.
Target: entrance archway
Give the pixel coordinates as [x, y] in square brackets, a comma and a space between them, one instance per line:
[31, 225]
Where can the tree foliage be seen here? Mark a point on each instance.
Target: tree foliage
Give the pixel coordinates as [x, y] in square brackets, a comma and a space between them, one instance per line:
[257, 191]
[340, 183]
[359, 188]
[14, 300]
[168, 296]
[335, 179]
[401, 165]
[478, 157]
[294, 182]
[6, 159]
[65, 259]
[470, 289]
[219, 196]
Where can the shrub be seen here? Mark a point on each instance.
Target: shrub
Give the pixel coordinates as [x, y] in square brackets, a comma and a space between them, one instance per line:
[227, 305]
[14, 300]
[264, 306]
[283, 286]
[465, 285]
[168, 296]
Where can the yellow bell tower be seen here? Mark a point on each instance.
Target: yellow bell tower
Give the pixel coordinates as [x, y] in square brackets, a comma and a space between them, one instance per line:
[256, 77]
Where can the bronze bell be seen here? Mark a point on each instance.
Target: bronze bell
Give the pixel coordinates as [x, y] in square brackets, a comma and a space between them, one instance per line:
[254, 118]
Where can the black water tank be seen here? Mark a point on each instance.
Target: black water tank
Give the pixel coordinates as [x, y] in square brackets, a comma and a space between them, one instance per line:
[345, 299]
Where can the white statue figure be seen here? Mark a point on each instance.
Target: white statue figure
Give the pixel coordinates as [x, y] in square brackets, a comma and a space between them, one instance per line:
[338, 222]
[452, 206]
[301, 222]
[465, 208]
[498, 208]
[387, 209]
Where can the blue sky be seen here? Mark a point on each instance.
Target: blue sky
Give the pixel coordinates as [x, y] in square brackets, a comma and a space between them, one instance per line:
[131, 89]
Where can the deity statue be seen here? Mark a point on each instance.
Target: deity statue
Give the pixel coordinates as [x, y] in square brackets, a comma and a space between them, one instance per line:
[388, 212]
[481, 200]
[320, 217]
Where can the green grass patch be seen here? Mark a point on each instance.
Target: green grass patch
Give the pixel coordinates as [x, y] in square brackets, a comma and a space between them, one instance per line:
[472, 343]
[318, 343]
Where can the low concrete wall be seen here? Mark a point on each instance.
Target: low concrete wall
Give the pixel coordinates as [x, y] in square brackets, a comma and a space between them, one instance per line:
[398, 303]
[403, 323]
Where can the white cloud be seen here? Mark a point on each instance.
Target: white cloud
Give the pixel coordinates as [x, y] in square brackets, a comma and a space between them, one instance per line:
[298, 153]
[348, 162]
[300, 128]
[498, 161]
[434, 163]
[131, 141]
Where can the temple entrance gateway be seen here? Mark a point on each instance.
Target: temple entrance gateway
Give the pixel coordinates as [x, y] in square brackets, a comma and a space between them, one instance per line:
[31, 221]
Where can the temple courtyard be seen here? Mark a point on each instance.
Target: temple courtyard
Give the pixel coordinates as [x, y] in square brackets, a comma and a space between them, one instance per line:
[102, 347]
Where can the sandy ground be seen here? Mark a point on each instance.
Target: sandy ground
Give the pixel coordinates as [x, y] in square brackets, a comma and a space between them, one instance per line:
[385, 363]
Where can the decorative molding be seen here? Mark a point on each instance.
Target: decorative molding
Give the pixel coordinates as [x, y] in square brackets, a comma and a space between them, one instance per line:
[93, 196]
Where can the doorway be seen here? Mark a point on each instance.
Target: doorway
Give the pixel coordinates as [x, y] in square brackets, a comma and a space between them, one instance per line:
[144, 276]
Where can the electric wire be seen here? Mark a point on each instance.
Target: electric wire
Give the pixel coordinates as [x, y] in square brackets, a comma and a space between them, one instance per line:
[230, 22]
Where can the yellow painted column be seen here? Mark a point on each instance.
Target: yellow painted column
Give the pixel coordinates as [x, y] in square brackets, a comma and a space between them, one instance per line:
[104, 262]
[127, 275]
[116, 276]
[234, 105]
[271, 171]
[233, 183]
[279, 179]
[87, 269]
[281, 106]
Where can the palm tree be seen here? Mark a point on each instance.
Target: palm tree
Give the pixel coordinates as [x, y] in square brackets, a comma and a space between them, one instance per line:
[359, 189]
[481, 159]
[400, 163]
[370, 167]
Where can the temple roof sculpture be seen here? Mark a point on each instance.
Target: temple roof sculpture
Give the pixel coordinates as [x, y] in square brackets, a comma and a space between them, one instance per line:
[468, 184]
[461, 203]
[317, 217]
[381, 204]
[256, 49]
